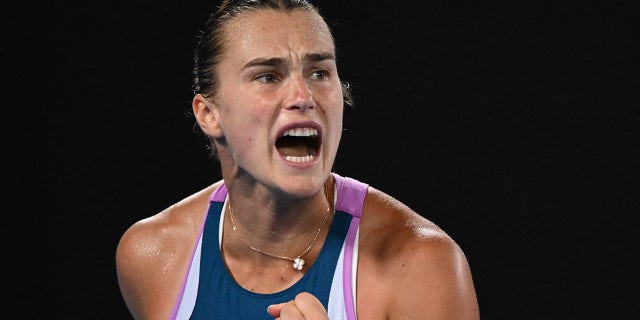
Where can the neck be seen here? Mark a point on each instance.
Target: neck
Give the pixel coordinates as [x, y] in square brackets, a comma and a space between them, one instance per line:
[277, 220]
[269, 235]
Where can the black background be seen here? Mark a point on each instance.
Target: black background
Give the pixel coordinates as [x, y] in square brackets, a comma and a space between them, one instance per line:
[515, 127]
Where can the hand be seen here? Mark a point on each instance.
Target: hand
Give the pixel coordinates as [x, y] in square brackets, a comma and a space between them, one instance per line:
[304, 306]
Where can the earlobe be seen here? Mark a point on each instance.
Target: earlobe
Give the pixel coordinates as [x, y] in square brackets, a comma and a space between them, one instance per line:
[206, 115]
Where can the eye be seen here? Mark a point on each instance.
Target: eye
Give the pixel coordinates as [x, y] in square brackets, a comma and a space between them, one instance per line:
[266, 78]
[319, 75]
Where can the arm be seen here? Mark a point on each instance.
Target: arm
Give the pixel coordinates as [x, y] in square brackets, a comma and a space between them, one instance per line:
[434, 281]
[144, 263]
[153, 255]
[151, 260]
[409, 268]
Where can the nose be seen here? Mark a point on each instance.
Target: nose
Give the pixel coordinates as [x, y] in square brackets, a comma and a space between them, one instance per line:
[301, 97]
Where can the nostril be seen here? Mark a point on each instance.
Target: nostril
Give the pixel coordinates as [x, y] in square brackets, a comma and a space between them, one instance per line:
[302, 105]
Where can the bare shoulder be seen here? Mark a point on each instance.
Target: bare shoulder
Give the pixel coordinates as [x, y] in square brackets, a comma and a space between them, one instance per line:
[424, 270]
[387, 221]
[152, 255]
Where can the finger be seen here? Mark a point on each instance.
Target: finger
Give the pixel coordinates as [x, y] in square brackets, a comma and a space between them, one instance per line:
[310, 306]
[274, 309]
[289, 311]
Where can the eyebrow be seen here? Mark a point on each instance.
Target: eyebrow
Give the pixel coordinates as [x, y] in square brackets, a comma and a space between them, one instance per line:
[311, 57]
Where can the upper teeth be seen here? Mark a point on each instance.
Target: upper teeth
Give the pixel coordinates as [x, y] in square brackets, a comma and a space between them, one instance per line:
[301, 132]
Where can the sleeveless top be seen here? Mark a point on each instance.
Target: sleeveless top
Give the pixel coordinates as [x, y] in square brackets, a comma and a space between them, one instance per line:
[209, 292]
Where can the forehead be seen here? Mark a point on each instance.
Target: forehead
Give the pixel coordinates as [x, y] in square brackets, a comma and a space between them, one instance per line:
[268, 32]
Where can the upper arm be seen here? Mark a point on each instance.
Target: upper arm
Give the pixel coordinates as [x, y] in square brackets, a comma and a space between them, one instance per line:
[152, 256]
[149, 268]
[417, 270]
[134, 265]
[435, 282]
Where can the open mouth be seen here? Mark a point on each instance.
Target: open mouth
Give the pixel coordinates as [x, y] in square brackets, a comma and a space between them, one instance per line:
[299, 144]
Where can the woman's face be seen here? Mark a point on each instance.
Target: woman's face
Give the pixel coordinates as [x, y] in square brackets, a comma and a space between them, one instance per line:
[279, 102]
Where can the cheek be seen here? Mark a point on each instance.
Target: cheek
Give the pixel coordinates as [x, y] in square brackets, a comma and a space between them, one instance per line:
[243, 115]
[337, 110]
[248, 127]
[335, 120]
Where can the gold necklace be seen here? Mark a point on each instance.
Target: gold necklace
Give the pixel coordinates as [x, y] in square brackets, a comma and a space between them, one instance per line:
[298, 262]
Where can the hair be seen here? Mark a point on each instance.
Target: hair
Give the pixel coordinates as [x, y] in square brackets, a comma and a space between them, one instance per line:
[210, 44]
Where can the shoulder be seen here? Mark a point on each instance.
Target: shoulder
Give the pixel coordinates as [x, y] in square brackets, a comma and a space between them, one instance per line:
[151, 254]
[386, 218]
[158, 232]
[405, 253]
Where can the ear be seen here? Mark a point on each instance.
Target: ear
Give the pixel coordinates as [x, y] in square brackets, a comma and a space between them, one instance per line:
[206, 115]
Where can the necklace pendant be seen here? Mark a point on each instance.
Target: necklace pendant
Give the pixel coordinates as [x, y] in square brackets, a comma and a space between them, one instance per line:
[298, 263]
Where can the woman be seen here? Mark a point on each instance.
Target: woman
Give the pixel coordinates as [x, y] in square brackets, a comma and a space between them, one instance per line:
[281, 235]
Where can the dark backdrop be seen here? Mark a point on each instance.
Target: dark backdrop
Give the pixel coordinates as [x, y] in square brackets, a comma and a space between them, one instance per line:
[514, 127]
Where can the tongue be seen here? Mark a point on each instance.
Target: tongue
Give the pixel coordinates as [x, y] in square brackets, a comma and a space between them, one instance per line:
[295, 151]
[294, 146]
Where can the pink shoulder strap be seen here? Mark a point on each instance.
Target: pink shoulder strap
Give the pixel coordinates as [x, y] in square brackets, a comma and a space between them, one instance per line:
[351, 194]
[217, 195]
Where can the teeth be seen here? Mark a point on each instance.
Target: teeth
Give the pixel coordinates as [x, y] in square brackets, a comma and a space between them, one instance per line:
[301, 132]
[299, 159]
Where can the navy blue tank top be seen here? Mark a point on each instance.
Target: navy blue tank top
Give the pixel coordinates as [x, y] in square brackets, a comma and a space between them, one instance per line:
[219, 294]
[209, 291]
